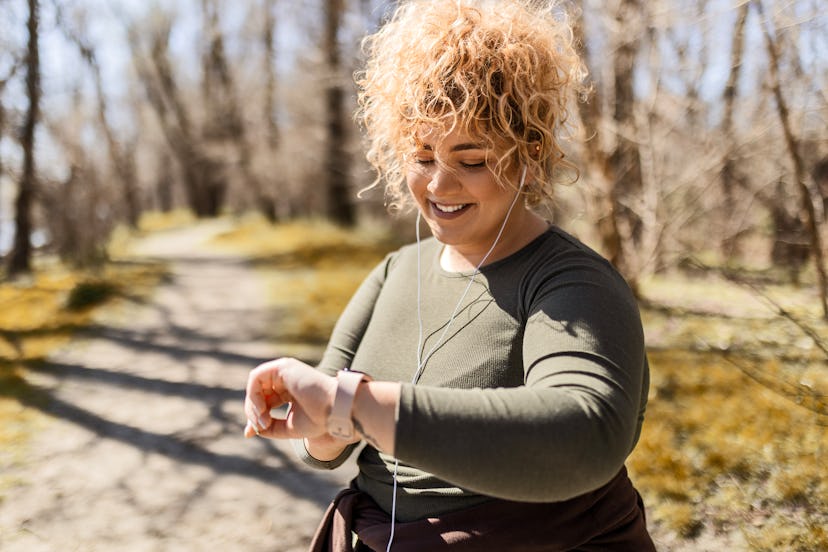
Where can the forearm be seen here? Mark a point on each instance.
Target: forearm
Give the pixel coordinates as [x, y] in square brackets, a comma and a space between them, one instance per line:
[517, 444]
[375, 413]
[374, 417]
[325, 448]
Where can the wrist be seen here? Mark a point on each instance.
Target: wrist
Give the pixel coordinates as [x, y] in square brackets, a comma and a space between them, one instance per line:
[374, 414]
[340, 423]
[325, 447]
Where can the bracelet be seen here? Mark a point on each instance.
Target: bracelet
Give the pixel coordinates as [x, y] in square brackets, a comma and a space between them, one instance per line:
[340, 424]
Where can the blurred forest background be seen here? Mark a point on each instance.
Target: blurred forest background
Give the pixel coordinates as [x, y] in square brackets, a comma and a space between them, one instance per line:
[705, 135]
[703, 157]
[704, 138]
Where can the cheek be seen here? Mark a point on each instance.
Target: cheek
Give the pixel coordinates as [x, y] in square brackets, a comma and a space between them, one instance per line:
[416, 182]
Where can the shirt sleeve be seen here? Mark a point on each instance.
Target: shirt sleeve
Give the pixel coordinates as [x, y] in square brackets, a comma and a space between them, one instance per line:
[351, 325]
[342, 346]
[569, 428]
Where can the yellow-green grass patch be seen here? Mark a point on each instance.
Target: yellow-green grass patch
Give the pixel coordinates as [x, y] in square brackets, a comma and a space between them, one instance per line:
[311, 268]
[720, 449]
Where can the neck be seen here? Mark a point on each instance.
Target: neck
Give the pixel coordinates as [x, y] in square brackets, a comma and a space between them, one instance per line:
[458, 259]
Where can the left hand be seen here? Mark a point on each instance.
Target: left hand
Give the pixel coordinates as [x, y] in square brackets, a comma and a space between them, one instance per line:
[308, 392]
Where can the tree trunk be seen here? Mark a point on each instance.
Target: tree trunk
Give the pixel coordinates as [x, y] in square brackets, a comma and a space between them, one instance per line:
[2, 128]
[227, 124]
[625, 160]
[730, 243]
[163, 184]
[203, 186]
[122, 158]
[340, 208]
[808, 212]
[270, 75]
[20, 257]
[605, 167]
[3, 84]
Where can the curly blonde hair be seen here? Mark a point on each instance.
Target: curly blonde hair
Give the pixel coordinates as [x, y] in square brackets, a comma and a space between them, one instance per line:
[500, 70]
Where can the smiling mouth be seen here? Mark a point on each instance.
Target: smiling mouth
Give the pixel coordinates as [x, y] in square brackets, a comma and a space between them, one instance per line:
[448, 209]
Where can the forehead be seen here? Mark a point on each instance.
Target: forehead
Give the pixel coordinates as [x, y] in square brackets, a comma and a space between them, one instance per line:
[447, 138]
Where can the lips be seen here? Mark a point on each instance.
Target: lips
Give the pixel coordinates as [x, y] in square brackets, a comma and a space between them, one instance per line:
[448, 211]
[449, 208]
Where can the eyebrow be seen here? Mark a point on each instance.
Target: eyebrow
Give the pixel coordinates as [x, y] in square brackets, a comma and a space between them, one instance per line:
[458, 147]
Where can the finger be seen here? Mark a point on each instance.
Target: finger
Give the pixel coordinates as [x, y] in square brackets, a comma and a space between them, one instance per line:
[250, 430]
[281, 428]
[267, 389]
[277, 430]
[261, 386]
[258, 420]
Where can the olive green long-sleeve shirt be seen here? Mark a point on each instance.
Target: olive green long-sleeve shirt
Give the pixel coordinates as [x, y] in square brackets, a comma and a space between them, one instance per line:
[536, 393]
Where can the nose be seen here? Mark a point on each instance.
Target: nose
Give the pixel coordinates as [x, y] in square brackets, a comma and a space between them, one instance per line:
[442, 180]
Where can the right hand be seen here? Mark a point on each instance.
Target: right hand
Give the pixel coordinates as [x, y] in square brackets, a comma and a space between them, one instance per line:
[308, 392]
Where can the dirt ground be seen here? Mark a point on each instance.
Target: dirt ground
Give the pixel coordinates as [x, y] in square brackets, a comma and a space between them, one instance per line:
[143, 449]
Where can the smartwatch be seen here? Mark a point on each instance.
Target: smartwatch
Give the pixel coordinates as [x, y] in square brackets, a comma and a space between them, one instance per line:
[340, 424]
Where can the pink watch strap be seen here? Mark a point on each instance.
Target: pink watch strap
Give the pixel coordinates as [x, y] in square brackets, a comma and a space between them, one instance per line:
[340, 424]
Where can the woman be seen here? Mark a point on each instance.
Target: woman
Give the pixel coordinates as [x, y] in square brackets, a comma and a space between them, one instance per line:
[496, 371]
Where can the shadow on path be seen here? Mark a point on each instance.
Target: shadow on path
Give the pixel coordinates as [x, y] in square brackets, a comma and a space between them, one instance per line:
[146, 451]
[306, 485]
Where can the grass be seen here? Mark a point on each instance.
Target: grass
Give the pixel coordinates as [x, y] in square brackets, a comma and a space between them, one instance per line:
[311, 268]
[736, 434]
[39, 314]
[721, 450]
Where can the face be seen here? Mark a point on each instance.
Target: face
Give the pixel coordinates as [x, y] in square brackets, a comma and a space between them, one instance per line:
[450, 177]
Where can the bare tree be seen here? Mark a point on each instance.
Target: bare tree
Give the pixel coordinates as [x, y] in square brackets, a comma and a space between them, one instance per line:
[3, 83]
[221, 99]
[122, 157]
[20, 257]
[625, 159]
[597, 159]
[268, 27]
[79, 232]
[340, 207]
[2, 129]
[808, 212]
[614, 162]
[164, 181]
[729, 169]
[204, 184]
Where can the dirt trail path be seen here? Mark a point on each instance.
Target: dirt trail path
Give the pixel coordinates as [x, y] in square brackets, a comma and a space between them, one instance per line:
[144, 450]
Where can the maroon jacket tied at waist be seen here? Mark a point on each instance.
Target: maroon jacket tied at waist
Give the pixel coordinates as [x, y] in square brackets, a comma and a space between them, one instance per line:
[608, 518]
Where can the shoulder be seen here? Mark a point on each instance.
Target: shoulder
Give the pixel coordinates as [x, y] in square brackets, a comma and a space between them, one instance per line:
[557, 266]
[562, 255]
[554, 254]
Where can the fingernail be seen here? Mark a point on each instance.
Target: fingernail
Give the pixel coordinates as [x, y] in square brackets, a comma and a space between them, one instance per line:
[262, 423]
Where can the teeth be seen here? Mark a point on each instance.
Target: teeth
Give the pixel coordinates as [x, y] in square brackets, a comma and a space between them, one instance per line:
[449, 208]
